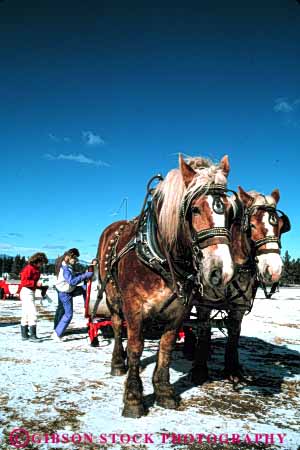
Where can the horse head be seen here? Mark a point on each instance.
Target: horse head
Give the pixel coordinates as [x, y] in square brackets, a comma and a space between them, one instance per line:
[204, 211]
[263, 225]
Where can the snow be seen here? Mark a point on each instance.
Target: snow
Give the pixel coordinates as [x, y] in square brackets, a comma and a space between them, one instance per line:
[51, 387]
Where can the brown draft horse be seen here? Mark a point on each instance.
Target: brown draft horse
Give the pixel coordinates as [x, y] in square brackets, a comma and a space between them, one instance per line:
[256, 253]
[151, 267]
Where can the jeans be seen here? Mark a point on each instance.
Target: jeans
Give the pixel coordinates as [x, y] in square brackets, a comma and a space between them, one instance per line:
[58, 313]
[66, 299]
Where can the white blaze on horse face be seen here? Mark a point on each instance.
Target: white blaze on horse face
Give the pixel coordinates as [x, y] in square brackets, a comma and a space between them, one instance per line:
[217, 256]
[219, 220]
[270, 264]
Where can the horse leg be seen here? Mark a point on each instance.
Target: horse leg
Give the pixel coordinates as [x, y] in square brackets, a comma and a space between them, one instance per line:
[164, 392]
[118, 366]
[200, 369]
[133, 396]
[232, 367]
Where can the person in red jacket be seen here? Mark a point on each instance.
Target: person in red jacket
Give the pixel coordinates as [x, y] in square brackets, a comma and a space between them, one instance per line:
[30, 276]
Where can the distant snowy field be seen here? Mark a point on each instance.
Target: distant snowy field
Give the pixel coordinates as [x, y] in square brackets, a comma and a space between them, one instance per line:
[66, 387]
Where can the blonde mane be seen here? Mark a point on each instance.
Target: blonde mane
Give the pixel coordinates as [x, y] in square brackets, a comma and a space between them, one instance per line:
[171, 193]
[260, 199]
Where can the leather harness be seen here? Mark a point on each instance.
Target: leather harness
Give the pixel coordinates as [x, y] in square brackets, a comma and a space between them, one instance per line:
[181, 274]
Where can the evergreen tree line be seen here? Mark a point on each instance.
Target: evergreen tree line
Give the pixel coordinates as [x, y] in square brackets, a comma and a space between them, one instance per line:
[291, 270]
[14, 264]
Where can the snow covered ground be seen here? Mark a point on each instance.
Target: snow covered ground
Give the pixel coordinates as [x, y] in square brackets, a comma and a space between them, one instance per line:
[66, 388]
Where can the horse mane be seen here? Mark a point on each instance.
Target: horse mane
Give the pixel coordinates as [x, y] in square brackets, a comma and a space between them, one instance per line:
[261, 199]
[171, 193]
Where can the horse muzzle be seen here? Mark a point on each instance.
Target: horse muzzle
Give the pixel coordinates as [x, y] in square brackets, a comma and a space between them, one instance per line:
[218, 274]
[270, 267]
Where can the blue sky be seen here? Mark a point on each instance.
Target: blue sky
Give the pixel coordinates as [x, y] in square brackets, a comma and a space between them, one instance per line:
[96, 99]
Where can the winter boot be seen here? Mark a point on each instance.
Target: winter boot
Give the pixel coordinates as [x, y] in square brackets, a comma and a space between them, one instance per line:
[33, 336]
[24, 332]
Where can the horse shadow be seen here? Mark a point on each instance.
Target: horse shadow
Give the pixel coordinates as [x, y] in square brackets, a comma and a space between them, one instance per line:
[69, 332]
[266, 366]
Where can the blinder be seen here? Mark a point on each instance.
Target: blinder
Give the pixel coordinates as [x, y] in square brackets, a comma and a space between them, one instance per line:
[275, 215]
[286, 224]
[237, 208]
[209, 189]
[214, 235]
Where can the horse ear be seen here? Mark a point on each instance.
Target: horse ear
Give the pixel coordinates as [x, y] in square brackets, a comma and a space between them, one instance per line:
[186, 171]
[224, 164]
[245, 197]
[276, 195]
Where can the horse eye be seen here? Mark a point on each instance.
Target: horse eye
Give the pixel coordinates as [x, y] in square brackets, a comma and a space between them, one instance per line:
[273, 219]
[218, 206]
[252, 225]
[195, 210]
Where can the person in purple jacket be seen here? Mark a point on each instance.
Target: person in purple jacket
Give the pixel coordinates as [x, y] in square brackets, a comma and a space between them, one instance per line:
[67, 288]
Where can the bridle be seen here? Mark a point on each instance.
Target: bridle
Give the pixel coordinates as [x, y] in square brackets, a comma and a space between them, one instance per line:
[210, 236]
[274, 216]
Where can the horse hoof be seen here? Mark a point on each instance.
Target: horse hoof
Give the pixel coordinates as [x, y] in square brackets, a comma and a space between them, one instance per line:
[167, 402]
[133, 411]
[235, 376]
[118, 371]
[235, 379]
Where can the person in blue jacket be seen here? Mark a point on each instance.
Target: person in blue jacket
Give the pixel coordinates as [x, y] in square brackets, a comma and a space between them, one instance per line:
[60, 307]
[67, 287]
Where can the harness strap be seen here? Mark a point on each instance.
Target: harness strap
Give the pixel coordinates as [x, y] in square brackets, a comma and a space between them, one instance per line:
[211, 233]
[267, 240]
[168, 302]
[240, 291]
[213, 241]
[129, 246]
[267, 250]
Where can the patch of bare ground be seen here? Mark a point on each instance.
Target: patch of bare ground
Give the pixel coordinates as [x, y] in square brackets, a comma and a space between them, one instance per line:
[280, 340]
[10, 320]
[237, 404]
[94, 384]
[81, 386]
[3, 400]
[289, 325]
[43, 314]
[232, 404]
[15, 360]
[67, 418]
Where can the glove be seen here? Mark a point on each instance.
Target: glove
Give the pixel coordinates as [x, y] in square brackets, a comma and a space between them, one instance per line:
[88, 275]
